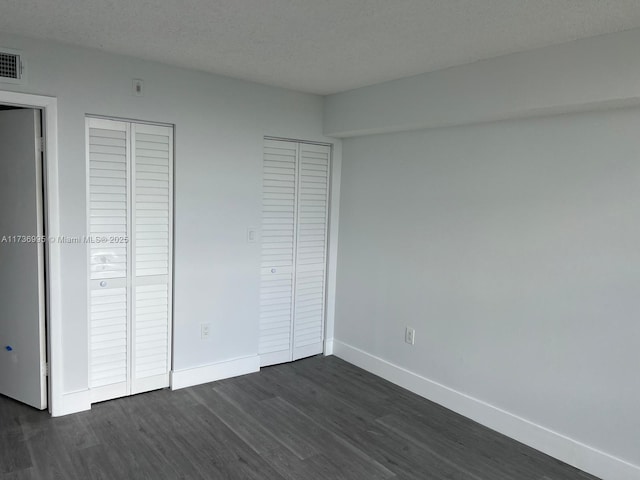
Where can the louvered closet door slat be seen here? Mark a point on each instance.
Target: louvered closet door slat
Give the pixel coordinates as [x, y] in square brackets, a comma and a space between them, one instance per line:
[277, 250]
[152, 152]
[312, 218]
[107, 162]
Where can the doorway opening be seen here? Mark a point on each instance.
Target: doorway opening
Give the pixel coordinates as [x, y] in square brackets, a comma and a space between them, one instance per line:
[23, 260]
[58, 402]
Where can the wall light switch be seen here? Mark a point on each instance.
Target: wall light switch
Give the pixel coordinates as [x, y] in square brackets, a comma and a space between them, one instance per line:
[252, 235]
[138, 87]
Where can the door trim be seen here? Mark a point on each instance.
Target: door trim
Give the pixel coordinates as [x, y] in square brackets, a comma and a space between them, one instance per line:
[49, 108]
[293, 140]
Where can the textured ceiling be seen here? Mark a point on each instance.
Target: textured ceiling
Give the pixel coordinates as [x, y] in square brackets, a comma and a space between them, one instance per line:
[318, 46]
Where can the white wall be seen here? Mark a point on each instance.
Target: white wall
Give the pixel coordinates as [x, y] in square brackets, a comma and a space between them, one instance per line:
[220, 123]
[582, 75]
[513, 250]
[507, 235]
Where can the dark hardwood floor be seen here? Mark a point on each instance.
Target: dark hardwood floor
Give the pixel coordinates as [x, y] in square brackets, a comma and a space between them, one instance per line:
[319, 418]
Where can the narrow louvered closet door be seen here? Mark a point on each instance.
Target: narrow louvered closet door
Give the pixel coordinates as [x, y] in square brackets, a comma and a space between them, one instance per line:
[278, 244]
[295, 209]
[108, 191]
[311, 247]
[130, 178]
[152, 172]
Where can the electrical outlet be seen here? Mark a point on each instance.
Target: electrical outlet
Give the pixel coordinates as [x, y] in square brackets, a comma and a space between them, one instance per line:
[410, 336]
[205, 330]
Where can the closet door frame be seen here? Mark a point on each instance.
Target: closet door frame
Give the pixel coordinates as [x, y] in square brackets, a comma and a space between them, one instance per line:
[296, 226]
[118, 390]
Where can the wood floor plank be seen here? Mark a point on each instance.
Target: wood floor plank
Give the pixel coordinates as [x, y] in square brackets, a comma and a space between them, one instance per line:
[514, 456]
[331, 444]
[305, 437]
[14, 451]
[243, 424]
[511, 457]
[359, 427]
[27, 474]
[286, 431]
[247, 427]
[128, 447]
[315, 419]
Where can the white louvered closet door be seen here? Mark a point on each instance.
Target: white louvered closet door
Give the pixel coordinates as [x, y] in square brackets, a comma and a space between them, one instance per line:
[151, 242]
[130, 221]
[293, 262]
[278, 244]
[311, 248]
[108, 159]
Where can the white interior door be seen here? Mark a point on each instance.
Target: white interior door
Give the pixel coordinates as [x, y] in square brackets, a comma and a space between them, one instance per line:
[151, 244]
[277, 255]
[22, 294]
[130, 213]
[295, 208]
[311, 250]
[108, 157]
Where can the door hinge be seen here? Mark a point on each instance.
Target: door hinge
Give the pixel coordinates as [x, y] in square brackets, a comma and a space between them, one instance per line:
[46, 369]
[42, 144]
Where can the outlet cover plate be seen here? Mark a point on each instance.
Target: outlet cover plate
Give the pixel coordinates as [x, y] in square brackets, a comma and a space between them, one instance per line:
[205, 330]
[410, 336]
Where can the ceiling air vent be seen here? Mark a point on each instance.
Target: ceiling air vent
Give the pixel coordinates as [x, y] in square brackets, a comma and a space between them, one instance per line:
[10, 66]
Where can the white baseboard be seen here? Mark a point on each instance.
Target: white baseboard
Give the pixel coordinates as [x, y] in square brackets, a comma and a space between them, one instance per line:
[216, 371]
[563, 448]
[72, 402]
[328, 347]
